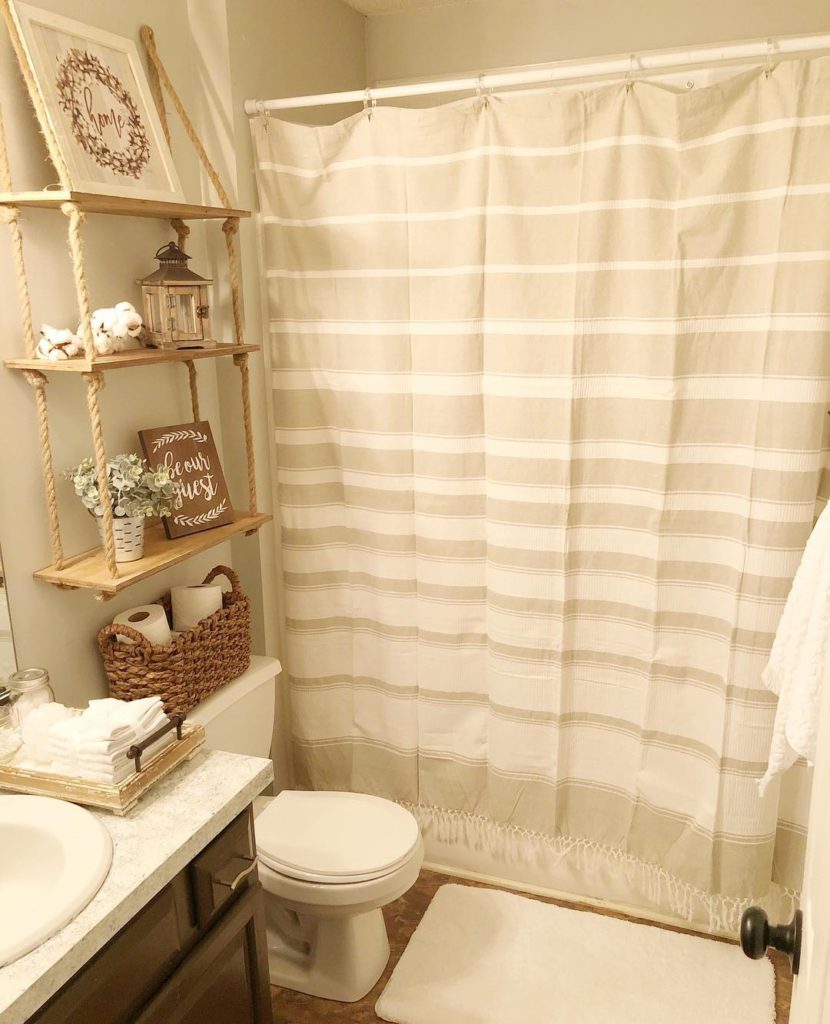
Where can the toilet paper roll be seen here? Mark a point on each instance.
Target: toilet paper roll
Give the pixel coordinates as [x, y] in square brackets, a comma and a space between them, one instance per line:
[149, 620]
[192, 604]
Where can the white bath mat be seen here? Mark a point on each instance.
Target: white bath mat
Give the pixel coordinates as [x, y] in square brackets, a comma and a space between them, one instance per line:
[480, 956]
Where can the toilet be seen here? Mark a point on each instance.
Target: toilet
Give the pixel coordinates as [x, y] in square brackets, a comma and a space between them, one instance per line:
[328, 862]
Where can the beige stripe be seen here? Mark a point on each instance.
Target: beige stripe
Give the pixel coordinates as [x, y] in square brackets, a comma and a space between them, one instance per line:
[371, 218]
[597, 354]
[608, 564]
[668, 476]
[730, 291]
[679, 522]
[676, 623]
[616, 143]
[604, 661]
[737, 423]
[483, 384]
[671, 326]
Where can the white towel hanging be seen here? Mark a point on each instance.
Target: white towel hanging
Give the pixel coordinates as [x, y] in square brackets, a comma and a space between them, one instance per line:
[796, 667]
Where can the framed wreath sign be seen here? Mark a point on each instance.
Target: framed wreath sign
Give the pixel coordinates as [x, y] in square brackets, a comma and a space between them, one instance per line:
[99, 105]
[188, 451]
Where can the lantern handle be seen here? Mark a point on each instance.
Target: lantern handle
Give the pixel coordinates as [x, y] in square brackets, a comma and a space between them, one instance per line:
[164, 248]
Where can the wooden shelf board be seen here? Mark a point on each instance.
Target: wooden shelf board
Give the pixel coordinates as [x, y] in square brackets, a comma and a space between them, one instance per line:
[124, 206]
[136, 357]
[89, 570]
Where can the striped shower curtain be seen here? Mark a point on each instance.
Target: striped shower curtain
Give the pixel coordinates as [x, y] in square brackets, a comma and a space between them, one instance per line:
[550, 385]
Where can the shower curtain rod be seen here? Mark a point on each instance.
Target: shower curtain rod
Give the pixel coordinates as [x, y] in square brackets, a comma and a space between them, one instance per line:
[618, 66]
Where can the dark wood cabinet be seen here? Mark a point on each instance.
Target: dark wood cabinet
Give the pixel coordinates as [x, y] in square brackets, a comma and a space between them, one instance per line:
[225, 979]
[196, 952]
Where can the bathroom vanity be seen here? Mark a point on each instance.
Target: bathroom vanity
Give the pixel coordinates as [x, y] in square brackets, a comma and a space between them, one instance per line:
[176, 932]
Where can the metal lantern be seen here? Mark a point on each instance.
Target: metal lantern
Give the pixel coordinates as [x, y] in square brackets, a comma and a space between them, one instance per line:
[176, 308]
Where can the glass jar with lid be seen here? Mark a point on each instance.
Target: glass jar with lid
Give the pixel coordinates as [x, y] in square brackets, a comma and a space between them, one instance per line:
[29, 688]
[9, 735]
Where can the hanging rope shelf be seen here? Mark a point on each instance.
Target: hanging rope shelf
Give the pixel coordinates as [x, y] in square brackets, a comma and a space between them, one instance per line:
[93, 570]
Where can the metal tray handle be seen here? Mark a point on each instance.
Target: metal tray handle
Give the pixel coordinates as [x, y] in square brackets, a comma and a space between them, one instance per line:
[137, 749]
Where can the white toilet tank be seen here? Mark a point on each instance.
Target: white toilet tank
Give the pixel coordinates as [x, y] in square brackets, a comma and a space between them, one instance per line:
[239, 716]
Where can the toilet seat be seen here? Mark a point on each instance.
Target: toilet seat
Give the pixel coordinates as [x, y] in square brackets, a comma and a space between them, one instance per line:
[335, 838]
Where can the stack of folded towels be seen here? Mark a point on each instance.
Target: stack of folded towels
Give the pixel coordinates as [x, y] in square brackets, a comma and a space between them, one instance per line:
[93, 744]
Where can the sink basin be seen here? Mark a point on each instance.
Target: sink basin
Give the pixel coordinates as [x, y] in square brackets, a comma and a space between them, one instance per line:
[54, 857]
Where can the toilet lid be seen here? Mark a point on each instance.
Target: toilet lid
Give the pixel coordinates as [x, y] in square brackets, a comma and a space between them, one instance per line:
[334, 837]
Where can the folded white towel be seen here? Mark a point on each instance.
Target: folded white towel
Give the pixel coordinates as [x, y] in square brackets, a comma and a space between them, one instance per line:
[132, 714]
[796, 666]
[74, 771]
[88, 735]
[98, 729]
[106, 764]
[100, 761]
[81, 729]
[35, 726]
[113, 773]
[94, 744]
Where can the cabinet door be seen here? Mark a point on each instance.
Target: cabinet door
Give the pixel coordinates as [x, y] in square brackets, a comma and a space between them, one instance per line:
[117, 982]
[225, 978]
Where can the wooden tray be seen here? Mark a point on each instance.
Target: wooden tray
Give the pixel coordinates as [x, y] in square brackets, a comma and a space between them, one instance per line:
[118, 799]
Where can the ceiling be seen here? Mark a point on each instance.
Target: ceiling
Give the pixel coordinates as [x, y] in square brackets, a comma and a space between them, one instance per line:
[389, 6]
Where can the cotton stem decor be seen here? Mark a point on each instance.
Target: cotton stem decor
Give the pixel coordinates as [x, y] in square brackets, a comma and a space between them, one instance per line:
[550, 386]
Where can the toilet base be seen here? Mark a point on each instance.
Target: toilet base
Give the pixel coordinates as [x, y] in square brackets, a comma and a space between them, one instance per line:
[338, 958]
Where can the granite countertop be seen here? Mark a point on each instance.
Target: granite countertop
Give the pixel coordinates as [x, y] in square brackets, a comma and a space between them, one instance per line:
[161, 835]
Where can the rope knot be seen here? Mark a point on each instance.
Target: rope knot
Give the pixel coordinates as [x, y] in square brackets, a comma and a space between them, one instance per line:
[9, 214]
[73, 210]
[36, 378]
[231, 226]
[180, 227]
[95, 381]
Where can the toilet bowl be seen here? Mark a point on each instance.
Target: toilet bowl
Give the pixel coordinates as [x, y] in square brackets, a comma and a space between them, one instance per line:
[328, 862]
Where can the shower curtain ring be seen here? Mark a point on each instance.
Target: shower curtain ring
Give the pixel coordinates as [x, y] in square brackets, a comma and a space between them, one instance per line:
[480, 93]
[770, 67]
[369, 103]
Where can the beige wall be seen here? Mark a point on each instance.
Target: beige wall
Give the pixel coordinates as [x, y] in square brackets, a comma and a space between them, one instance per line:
[218, 52]
[482, 34]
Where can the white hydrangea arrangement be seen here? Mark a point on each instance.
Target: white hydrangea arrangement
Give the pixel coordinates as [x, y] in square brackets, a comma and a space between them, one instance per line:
[135, 489]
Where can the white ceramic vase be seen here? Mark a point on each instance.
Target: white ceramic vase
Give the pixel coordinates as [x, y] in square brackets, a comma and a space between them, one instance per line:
[128, 534]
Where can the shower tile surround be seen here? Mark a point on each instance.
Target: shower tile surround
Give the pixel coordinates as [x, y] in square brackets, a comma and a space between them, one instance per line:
[151, 844]
[402, 918]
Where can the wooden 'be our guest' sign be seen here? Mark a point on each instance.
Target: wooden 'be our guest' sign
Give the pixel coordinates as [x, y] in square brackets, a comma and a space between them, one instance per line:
[189, 453]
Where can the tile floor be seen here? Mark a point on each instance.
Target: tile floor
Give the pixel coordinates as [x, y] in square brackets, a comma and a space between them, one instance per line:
[402, 918]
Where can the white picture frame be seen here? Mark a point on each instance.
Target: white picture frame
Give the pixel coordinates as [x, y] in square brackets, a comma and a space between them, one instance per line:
[99, 105]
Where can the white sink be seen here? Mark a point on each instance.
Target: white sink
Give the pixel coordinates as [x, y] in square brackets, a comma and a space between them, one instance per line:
[54, 857]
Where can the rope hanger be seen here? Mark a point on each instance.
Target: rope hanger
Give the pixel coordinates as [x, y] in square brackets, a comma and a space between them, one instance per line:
[94, 379]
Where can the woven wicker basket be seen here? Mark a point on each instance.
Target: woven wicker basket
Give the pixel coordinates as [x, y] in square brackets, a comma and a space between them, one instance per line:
[198, 661]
